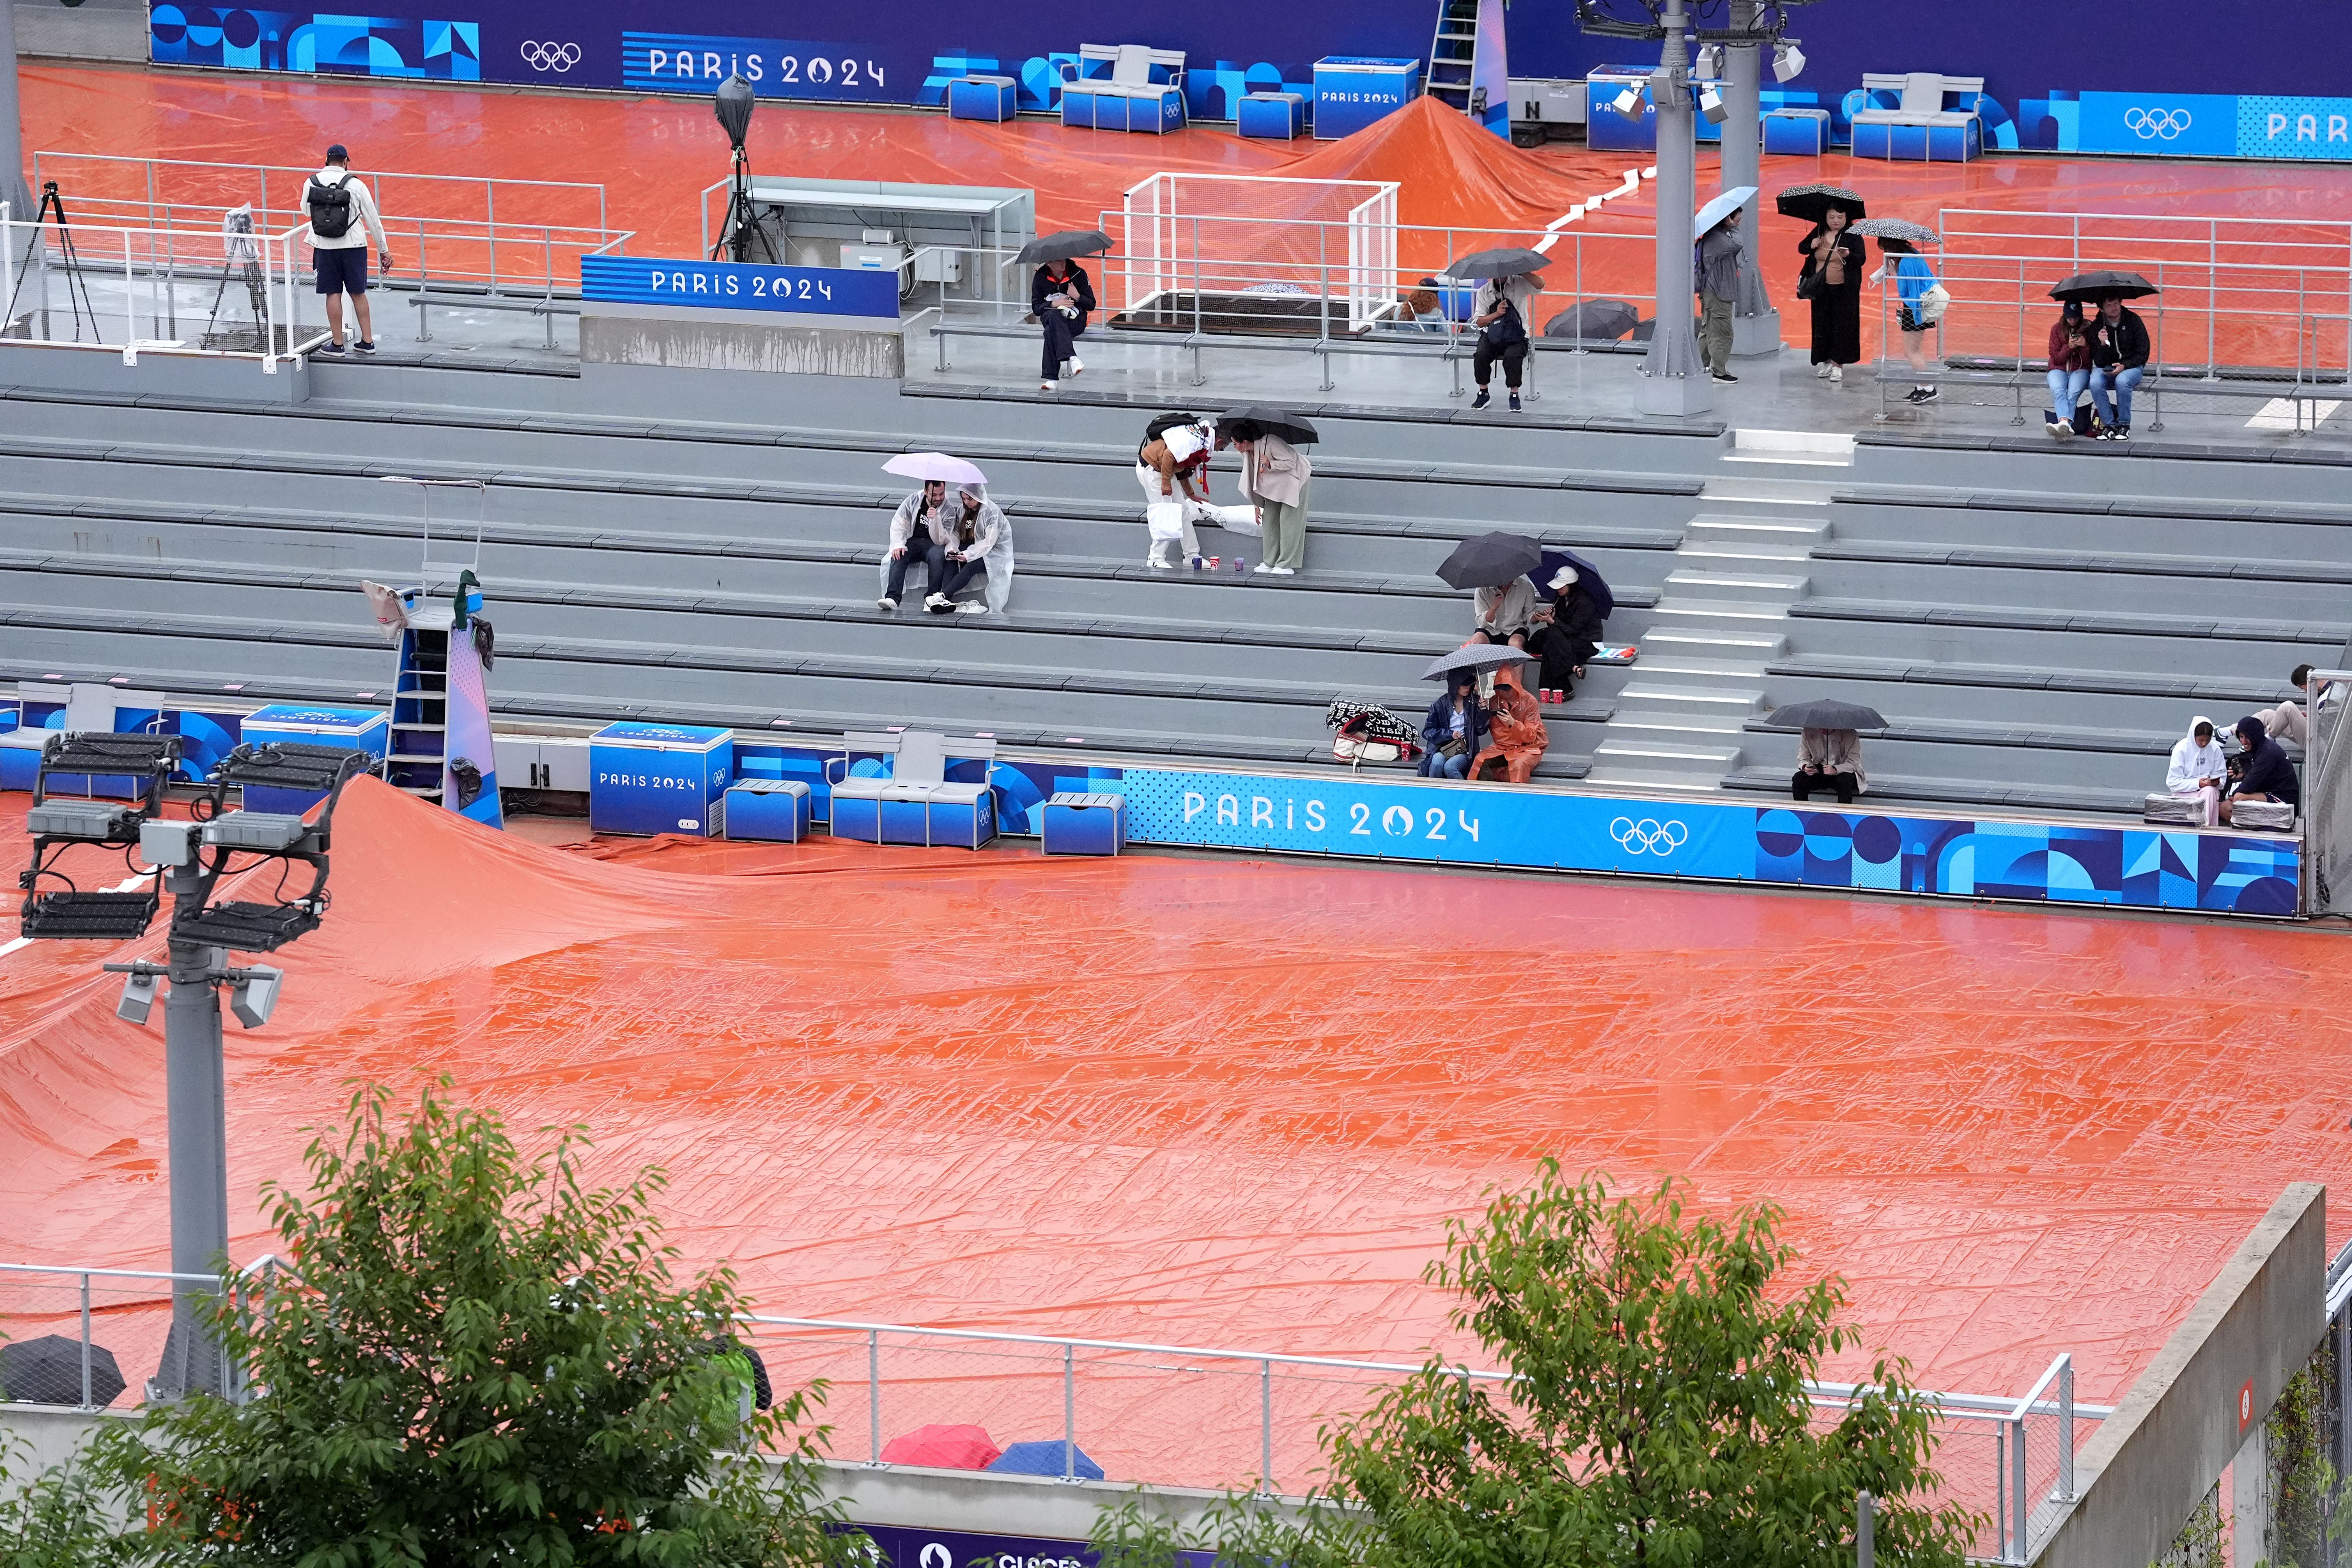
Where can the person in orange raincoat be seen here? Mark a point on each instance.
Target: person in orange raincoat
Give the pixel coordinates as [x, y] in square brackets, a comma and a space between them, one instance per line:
[1516, 736]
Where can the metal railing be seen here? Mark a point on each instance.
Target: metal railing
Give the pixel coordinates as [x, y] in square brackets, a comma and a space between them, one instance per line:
[136, 290]
[2327, 816]
[1158, 1413]
[503, 236]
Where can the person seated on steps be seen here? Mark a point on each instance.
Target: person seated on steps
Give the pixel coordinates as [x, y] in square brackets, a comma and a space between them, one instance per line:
[2288, 722]
[1567, 632]
[1516, 737]
[2265, 770]
[1504, 615]
[982, 543]
[1455, 729]
[2198, 771]
[1829, 760]
[919, 531]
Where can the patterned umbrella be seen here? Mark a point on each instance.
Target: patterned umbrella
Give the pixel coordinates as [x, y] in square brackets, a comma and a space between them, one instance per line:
[1898, 229]
[1810, 201]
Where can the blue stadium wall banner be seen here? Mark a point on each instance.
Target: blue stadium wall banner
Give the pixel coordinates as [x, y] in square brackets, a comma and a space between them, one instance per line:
[739, 285]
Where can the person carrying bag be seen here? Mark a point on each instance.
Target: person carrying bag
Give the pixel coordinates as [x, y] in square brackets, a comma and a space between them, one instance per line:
[1502, 334]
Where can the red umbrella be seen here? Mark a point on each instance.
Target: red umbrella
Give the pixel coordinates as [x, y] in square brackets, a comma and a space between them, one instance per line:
[942, 1448]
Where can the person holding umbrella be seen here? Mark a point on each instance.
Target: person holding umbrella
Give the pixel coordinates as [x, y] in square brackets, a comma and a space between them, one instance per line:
[1504, 303]
[1720, 253]
[926, 523]
[1455, 729]
[1061, 298]
[1496, 565]
[2118, 359]
[1829, 752]
[1274, 474]
[1831, 275]
[1568, 630]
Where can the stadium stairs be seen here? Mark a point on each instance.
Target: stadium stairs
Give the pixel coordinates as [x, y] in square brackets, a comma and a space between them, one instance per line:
[2037, 644]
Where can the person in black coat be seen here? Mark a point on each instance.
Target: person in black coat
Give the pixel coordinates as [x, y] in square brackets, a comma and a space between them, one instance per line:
[1834, 254]
[1570, 634]
[2266, 772]
[1061, 298]
[2118, 359]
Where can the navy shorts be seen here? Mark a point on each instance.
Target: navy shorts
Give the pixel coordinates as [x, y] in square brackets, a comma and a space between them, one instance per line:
[342, 270]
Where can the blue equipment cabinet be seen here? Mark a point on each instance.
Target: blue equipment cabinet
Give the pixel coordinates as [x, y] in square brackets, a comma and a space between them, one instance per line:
[659, 778]
[365, 730]
[1273, 116]
[774, 810]
[1353, 90]
[1081, 823]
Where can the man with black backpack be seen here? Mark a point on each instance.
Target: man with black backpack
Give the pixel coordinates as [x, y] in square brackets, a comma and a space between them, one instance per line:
[343, 219]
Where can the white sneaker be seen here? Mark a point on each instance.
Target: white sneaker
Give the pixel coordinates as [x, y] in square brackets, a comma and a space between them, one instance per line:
[1074, 365]
[1281, 571]
[1822, 370]
[972, 608]
[1156, 564]
[1045, 386]
[886, 603]
[1837, 372]
[938, 602]
[1261, 569]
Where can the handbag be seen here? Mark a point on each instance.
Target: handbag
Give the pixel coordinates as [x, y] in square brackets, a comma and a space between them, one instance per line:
[1933, 304]
[1808, 282]
[1504, 330]
[1165, 519]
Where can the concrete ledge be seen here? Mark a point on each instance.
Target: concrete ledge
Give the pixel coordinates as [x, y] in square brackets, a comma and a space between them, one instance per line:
[710, 339]
[94, 368]
[2211, 1384]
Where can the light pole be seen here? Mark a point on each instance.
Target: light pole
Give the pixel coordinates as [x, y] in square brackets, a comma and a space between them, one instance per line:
[186, 857]
[1755, 324]
[1674, 378]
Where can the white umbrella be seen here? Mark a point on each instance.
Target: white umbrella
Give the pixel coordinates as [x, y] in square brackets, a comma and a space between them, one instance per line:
[1715, 211]
[934, 466]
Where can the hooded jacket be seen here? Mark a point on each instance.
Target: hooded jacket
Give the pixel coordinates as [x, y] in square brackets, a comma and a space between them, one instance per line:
[2192, 761]
[2268, 770]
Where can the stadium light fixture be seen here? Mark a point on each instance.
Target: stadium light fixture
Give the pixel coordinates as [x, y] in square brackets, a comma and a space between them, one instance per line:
[1710, 103]
[1628, 103]
[1787, 60]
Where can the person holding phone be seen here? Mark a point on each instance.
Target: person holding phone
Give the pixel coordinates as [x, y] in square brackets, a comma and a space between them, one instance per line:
[1501, 315]
[2118, 359]
[1833, 256]
[2070, 367]
[975, 532]
[2197, 771]
[1060, 297]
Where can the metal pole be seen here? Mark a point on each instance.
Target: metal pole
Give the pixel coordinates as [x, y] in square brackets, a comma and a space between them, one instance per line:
[2066, 1431]
[196, 1105]
[2000, 1490]
[490, 229]
[2017, 1487]
[1070, 1412]
[1266, 1415]
[1755, 324]
[874, 1390]
[1673, 382]
[85, 1341]
[130, 302]
[1866, 1529]
[13, 189]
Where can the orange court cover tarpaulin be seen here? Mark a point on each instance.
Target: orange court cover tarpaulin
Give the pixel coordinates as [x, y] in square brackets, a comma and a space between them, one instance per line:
[1231, 1102]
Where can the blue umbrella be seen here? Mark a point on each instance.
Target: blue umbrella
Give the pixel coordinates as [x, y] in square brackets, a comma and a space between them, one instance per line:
[1715, 211]
[1589, 574]
[1044, 1458]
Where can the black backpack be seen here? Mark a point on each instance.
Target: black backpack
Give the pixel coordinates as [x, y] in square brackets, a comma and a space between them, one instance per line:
[1161, 425]
[331, 207]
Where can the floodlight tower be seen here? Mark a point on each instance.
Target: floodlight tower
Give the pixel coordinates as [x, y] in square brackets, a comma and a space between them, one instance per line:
[1754, 24]
[1674, 378]
[186, 858]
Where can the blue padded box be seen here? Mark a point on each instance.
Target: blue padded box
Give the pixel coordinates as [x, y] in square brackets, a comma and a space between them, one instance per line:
[1798, 133]
[659, 778]
[20, 756]
[903, 814]
[774, 810]
[961, 814]
[365, 730]
[1920, 143]
[1157, 109]
[1077, 824]
[990, 98]
[1273, 116]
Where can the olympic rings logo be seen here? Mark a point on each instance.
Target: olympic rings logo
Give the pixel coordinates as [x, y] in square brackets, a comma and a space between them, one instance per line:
[1648, 837]
[549, 55]
[2155, 124]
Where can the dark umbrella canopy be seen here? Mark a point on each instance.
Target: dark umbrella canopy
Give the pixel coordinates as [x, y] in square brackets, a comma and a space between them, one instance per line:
[1596, 320]
[1061, 247]
[2104, 285]
[1898, 229]
[1475, 656]
[1508, 262]
[1246, 424]
[1587, 574]
[1827, 713]
[47, 1371]
[1810, 201]
[1490, 560]
[1045, 1457]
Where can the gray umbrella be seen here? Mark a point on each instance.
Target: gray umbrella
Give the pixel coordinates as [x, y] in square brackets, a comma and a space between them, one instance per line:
[1898, 229]
[1508, 262]
[1061, 247]
[1475, 655]
[47, 1371]
[1490, 560]
[2102, 285]
[1595, 321]
[1827, 713]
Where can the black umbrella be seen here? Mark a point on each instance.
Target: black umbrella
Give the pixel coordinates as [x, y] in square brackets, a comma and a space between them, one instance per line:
[1827, 713]
[1247, 424]
[1061, 247]
[1810, 201]
[1587, 574]
[1491, 560]
[1475, 655]
[47, 1371]
[1596, 320]
[1508, 262]
[1897, 228]
[2104, 285]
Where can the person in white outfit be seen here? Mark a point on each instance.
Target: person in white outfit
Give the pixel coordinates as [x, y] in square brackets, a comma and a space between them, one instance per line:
[1173, 470]
[2197, 770]
[343, 219]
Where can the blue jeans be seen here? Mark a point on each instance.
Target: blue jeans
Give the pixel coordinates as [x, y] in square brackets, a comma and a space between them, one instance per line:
[2123, 381]
[1433, 766]
[2066, 390]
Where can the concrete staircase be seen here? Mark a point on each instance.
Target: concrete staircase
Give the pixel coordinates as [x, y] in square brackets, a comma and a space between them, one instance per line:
[1724, 613]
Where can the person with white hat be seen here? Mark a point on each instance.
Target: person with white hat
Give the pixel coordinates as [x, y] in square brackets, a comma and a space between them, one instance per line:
[1568, 633]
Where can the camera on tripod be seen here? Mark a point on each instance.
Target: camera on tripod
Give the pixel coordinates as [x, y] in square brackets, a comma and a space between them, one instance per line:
[744, 235]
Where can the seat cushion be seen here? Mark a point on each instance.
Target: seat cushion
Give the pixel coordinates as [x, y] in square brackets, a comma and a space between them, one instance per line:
[862, 788]
[1923, 93]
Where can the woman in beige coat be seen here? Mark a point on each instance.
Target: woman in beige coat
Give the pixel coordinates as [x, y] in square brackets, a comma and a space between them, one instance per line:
[1275, 475]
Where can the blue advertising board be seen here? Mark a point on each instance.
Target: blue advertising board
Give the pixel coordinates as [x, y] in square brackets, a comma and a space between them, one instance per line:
[1353, 90]
[659, 778]
[739, 285]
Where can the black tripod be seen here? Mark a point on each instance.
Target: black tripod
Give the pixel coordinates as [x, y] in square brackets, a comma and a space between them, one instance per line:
[241, 254]
[740, 237]
[54, 205]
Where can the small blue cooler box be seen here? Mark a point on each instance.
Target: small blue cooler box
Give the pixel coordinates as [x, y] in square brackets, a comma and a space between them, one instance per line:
[776, 810]
[1802, 131]
[1084, 824]
[659, 778]
[365, 730]
[990, 97]
[1273, 116]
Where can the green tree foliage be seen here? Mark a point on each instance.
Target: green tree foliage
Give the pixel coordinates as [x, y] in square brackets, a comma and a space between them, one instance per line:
[478, 1360]
[1654, 1415]
[60, 1519]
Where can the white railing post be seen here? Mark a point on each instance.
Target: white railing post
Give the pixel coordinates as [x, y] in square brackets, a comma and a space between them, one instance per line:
[1265, 1426]
[2067, 1429]
[1069, 1412]
[2017, 1489]
[874, 1392]
[1866, 1520]
[85, 1341]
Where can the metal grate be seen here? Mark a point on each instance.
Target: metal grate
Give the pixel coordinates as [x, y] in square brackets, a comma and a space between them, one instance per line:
[246, 928]
[94, 916]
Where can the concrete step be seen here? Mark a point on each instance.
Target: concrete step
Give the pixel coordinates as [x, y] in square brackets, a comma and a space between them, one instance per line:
[1737, 642]
[1708, 672]
[1738, 556]
[1666, 726]
[1691, 610]
[1796, 449]
[1740, 586]
[1638, 780]
[1683, 695]
[1645, 752]
[1746, 493]
[1781, 528]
